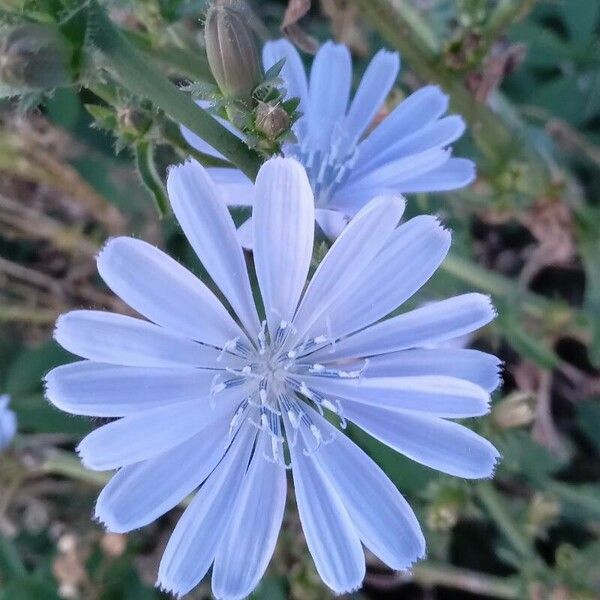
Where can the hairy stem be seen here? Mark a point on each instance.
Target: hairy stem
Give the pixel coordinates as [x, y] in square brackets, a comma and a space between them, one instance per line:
[140, 77]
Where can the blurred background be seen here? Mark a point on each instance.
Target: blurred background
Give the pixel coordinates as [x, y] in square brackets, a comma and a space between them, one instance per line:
[83, 158]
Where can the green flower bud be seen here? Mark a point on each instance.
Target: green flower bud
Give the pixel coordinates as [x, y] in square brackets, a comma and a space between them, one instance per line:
[271, 120]
[516, 410]
[34, 56]
[133, 121]
[231, 50]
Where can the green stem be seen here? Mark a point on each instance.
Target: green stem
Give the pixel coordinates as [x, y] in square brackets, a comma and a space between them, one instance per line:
[10, 561]
[177, 60]
[66, 464]
[495, 507]
[431, 574]
[494, 284]
[143, 79]
[144, 160]
[170, 133]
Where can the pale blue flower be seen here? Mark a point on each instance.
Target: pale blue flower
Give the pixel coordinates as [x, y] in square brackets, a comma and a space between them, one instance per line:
[213, 400]
[347, 164]
[8, 423]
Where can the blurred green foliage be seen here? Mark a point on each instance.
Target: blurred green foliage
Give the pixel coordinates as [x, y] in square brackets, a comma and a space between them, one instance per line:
[526, 76]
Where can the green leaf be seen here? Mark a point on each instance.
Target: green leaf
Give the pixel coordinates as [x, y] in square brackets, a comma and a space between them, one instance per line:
[36, 415]
[526, 344]
[271, 588]
[588, 419]
[522, 455]
[30, 365]
[28, 588]
[581, 18]
[274, 71]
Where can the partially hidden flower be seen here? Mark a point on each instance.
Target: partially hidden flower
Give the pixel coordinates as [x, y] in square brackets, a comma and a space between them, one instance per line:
[347, 163]
[214, 399]
[8, 422]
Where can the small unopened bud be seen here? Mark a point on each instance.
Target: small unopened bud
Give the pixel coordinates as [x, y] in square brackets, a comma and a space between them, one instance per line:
[445, 509]
[133, 121]
[271, 120]
[231, 50]
[34, 56]
[516, 410]
[542, 512]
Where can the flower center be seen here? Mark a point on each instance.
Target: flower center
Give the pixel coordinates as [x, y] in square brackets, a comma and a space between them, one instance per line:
[328, 160]
[274, 377]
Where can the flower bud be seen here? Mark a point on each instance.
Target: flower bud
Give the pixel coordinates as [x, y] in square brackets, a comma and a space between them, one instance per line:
[231, 50]
[271, 120]
[133, 121]
[34, 56]
[445, 509]
[516, 410]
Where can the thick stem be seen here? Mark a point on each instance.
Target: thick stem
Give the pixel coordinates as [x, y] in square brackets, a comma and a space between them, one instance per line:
[143, 79]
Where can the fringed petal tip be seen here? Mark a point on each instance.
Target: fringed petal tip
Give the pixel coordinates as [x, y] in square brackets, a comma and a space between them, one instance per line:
[470, 171]
[169, 588]
[408, 568]
[86, 461]
[349, 590]
[497, 459]
[109, 523]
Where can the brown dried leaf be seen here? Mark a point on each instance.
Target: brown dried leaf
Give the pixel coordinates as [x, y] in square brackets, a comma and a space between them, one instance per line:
[346, 25]
[295, 10]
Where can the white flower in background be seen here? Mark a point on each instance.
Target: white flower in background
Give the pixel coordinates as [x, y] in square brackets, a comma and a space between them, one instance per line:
[211, 399]
[347, 164]
[8, 422]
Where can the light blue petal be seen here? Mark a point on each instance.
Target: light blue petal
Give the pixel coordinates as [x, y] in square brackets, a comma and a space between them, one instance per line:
[360, 188]
[364, 237]
[207, 224]
[164, 292]
[383, 519]
[393, 173]
[121, 340]
[475, 366]
[138, 494]
[456, 173]
[393, 276]
[102, 390]
[372, 91]
[437, 134]
[284, 226]
[419, 109]
[329, 90]
[430, 324]
[236, 189]
[251, 535]
[331, 222]
[197, 142]
[8, 422]
[329, 531]
[436, 443]
[135, 438]
[193, 544]
[436, 395]
[245, 233]
[293, 74]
